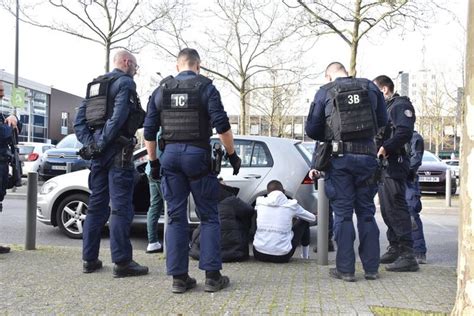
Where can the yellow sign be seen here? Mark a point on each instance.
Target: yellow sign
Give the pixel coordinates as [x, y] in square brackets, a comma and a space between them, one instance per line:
[18, 97]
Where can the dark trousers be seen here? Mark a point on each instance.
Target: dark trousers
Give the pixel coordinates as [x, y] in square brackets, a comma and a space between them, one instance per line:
[413, 197]
[395, 213]
[301, 236]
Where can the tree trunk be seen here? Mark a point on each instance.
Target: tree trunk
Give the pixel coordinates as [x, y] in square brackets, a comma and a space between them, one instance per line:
[107, 56]
[355, 39]
[464, 304]
[243, 114]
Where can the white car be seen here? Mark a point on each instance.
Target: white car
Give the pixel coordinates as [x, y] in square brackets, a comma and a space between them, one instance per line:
[62, 201]
[453, 165]
[30, 154]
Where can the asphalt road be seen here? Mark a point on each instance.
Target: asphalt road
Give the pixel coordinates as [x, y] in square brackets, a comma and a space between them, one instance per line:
[441, 233]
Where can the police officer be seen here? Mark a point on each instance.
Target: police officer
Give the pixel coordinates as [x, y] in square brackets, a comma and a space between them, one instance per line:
[187, 108]
[395, 139]
[7, 124]
[345, 115]
[105, 127]
[413, 197]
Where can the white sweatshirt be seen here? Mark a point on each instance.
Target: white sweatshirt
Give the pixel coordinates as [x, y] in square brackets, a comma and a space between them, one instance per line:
[274, 222]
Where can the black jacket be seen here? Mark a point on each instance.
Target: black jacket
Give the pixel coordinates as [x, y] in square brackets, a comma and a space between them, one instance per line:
[235, 217]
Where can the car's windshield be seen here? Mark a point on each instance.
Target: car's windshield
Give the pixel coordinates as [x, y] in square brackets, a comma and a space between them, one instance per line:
[430, 157]
[70, 141]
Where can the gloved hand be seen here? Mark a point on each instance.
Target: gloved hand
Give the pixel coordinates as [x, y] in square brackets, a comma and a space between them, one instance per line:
[90, 152]
[235, 161]
[155, 169]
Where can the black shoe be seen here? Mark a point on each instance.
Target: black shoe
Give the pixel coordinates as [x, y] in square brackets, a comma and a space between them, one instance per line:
[371, 275]
[348, 277]
[331, 247]
[181, 286]
[404, 263]
[129, 269]
[4, 249]
[420, 258]
[212, 285]
[392, 254]
[91, 266]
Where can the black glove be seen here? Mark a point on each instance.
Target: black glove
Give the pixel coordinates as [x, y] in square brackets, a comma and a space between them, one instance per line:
[155, 169]
[235, 161]
[90, 152]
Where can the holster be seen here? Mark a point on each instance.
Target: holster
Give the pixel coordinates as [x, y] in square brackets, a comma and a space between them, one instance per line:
[216, 158]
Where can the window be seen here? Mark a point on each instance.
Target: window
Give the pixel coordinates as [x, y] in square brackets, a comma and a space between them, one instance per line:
[253, 154]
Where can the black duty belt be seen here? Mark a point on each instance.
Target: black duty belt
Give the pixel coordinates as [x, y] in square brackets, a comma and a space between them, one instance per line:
[360, 149]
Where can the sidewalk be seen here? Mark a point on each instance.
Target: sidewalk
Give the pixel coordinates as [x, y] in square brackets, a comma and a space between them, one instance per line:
[50, 281]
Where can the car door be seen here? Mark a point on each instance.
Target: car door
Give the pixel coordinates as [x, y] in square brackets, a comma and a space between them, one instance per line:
[256, 164]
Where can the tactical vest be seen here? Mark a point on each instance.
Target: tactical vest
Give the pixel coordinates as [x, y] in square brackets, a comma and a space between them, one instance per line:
[183, 116]
[351, 115]
[99, 105]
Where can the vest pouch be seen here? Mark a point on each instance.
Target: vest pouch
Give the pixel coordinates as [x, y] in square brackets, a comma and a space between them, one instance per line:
[96, 112]
[135, 121]
[5, 134]
[323, 156]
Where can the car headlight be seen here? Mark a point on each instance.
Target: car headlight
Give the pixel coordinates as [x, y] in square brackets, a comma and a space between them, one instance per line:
[48, 186]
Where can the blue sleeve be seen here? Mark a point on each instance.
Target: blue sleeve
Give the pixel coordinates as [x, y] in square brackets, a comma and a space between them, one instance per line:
[125, 88]
[152, 120]
[381, 109]
[417, 149]
[404, 123]
[316, 117]
[218, 117]
[83, 133]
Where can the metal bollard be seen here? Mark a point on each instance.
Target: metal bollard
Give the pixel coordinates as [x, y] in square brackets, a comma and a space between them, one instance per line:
[448, 187]
[68, 167]
[323, 222]
[31, 204]
[165, 225]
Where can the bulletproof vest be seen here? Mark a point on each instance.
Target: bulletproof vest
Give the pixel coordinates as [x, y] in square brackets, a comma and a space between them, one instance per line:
[99, 105]
[351, 115]
[183, 116]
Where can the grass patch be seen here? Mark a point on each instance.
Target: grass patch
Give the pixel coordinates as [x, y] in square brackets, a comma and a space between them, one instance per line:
[386, 311]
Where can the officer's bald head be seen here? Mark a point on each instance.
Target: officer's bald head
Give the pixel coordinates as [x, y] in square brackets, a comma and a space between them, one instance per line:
[125, 61]
[335, 70]
[188, 59]
[275, 185]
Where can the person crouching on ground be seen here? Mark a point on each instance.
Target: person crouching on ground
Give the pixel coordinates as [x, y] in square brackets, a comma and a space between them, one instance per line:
[277, 237]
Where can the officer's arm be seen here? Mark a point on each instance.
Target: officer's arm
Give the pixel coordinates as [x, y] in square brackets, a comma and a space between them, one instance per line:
[152, 125]
[403, 120]
[417, 148]
[122, 103]
[227, 139]
[316, 116]
[218, 118]
[83, 133]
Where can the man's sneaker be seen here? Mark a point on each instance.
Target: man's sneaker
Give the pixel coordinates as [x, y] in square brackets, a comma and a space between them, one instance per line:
[181, 286]
[4, 249]
[371, 275]
[392, 254]
[404, 263]
[91, 266]
[348, 277]
[420, 258]
[212, 285]
[154, 247]
[129, 269]
[331, 247]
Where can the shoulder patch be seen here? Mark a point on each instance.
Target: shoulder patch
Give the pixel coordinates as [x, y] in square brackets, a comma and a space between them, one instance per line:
[408, 113]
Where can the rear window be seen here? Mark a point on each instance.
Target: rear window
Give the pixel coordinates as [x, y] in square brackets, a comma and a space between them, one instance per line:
[25, 150]
[69, 141]
[305, 153]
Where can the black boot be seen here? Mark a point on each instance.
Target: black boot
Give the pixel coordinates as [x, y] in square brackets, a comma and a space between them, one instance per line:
[392, 254]
[406, 262]
[215, 281]
[182, 283]
[128, 269]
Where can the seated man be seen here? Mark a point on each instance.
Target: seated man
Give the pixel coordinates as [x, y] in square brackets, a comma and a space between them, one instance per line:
[277, 237]
[235, 216]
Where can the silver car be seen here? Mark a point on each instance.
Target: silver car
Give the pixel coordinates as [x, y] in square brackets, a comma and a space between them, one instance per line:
[62, 201]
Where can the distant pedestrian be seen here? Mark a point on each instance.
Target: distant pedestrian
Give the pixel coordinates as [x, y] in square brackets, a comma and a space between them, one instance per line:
[277, 238]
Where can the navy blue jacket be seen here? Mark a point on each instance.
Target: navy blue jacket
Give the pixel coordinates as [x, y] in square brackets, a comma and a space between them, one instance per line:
[6, 133]
[417, 149]
[210, 98]
[319, 110]
[121, 91]
[401, 116]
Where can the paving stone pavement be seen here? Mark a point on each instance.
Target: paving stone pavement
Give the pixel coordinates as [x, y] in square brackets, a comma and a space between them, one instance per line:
[49, 280]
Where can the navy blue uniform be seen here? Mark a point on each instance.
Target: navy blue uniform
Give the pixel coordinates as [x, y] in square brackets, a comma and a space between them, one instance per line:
[185, 169]
[393, 185]
[348, 183]
[6, 133]
[413, 193]
[111, 177]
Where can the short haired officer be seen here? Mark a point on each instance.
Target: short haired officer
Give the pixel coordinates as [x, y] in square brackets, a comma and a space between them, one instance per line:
[345, 115]
[393, 143]
[187, 108]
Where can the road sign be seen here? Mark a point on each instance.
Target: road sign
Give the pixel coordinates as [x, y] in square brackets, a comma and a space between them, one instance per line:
[18, 97]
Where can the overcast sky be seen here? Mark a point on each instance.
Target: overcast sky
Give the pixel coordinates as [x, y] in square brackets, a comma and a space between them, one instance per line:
[68, 63]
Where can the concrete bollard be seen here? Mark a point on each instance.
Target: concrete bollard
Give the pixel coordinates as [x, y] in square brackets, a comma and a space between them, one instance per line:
[31, 205]
[323, 222]
[448, 187]
[165, 225]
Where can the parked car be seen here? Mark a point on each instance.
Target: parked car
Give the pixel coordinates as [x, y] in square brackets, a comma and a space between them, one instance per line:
[454, 165]
[30, 154]
[62, 201]
[54, 161]
[432, 175]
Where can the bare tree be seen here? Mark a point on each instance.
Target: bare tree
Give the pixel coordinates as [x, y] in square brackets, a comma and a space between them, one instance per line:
[353, 20]
[109, 23]
[238, 47]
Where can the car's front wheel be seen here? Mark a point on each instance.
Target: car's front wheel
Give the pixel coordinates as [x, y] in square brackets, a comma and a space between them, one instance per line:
[71, 214]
